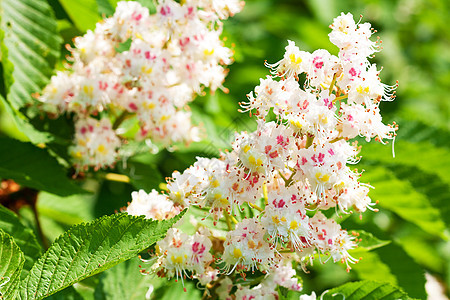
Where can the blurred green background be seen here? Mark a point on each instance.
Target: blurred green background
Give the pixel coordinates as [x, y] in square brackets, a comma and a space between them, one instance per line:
[413, 188]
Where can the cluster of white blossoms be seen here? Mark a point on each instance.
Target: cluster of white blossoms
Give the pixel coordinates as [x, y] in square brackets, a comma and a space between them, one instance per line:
[173, 55]
[290, 173]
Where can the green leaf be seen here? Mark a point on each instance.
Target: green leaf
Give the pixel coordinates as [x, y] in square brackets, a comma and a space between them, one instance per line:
[366, 289]
[88, 249]
[371, 267]
[34, 167]
[324, 10]
[124, 281]
[142, 176]
[23, 236]
[423, 155]
[24, 125]
[286, 294]
[368, 241]
[174, 290]
[11, 263]
[415, 131]
[105, 7]
[421, 247]
[428, 184]
[410, 276]
[83, 13]
[125, 46]
[70, 210]
[30, 47]
[400, 197]
[66, 294]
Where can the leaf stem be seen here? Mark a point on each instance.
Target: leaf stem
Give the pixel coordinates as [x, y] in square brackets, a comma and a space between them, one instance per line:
[117, 177]
[31, 196]
[122, 117]
[282, 176]
[228, 220]
[309, 141]
[286, 251]
[336, 139]
[265, 193]
[332, 83]
[340, 98]
[255, 207]
[290, 179]
[39, 227]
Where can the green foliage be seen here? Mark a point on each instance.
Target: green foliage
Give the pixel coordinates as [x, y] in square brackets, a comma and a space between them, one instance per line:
[88, 249]
[410, 232]
[30, 47]
[368, 241]
[124, 281]
[34, 167]
[367, 290]
[371, 267]
[23, 237]
[11, 262]
[23, 124]
[410, 276]
[400, 197]
[83, 13]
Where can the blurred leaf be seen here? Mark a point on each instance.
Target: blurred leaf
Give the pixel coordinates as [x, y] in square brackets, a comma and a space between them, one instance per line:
[83, 13]
[106, 7]
[366, 290]
[88, 249]
[423, 155]
[400, 197]
[112, 196]
[33, 167]
[368, 241]
[23, 237]
[30, 47]
[68, 293]
[415, 131]
[174, 290]
[24, 125]
[286, 294]
[324, 10]
[125, 46]
[142, 176]
[123, 281]
[371, 267]
[421, 247]
[430, 185]
[69, 210]
[11, 262]
[410, 276]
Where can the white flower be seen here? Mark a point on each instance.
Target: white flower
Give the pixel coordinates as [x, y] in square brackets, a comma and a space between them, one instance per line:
[246, 249]
[173, 55]
[328, 237]
[179, 253]
[152, 206]
[308, 297]
[95, 144]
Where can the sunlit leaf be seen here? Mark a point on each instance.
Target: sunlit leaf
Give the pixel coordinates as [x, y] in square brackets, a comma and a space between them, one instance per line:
[400, 197]
[23, 237]
[366, 290]
[30, 47]
[83, 13]
[88, 249]
[368, 241]
[11, 263]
